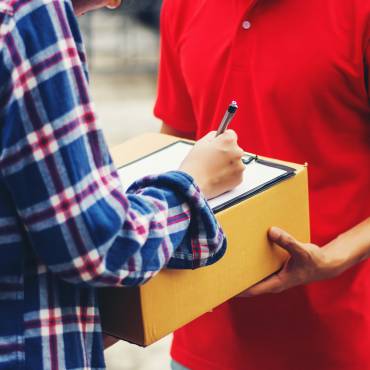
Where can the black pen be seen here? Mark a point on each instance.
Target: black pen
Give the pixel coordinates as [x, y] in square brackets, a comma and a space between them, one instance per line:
[231, 110]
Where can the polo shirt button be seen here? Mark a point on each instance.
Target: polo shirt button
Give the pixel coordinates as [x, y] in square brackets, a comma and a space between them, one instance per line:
[247, 25]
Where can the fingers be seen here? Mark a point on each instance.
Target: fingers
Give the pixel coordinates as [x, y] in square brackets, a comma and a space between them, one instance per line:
[226, 144]
[239, 166]
[210, 136]
[299, 269]
[273, 284]
[228, 140]
[229, 143]
[239, 153]
[238, 171]
[285, 241]
[230, 135]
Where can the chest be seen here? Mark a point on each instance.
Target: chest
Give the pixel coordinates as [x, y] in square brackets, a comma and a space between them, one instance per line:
[286, 50]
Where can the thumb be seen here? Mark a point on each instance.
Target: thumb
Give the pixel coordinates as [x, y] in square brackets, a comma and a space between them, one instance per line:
[209, 136]
[272, 284]
[285, 241]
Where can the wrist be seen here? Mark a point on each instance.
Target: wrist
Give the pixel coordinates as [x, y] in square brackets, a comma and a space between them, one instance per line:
[204, 188]
[337, 257]
[198, 181]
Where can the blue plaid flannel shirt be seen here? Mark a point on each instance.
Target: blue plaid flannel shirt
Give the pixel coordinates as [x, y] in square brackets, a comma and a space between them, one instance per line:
[66, 226]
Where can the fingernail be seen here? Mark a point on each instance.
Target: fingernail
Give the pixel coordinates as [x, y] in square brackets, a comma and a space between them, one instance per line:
[274, 232]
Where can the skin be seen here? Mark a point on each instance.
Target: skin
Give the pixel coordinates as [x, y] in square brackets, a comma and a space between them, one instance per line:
[308, 262]
[215, 163]
[83, 6]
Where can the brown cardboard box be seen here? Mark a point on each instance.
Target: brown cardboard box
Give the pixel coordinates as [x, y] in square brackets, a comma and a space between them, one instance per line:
[145, 314]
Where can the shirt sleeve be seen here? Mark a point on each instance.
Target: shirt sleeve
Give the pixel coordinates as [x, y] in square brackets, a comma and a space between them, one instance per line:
[173, 105]
[56, 166]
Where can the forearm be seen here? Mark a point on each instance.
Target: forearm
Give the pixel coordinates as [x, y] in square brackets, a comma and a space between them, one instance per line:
[168, 130]
[129, 237]
[79, 221]
[349, 248]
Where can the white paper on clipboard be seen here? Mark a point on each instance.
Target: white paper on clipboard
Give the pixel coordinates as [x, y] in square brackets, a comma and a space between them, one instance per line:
[256, 175]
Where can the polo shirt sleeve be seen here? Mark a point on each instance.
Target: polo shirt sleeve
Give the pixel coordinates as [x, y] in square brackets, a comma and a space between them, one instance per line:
[173, 105]
[57, 170]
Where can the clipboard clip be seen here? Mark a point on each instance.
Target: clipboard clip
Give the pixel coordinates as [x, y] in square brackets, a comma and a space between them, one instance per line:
[249, 158]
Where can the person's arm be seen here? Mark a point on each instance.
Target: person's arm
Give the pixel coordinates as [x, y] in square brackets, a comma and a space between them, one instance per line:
[169, 130]
[173, 104]
[56, 167]
[308, 262]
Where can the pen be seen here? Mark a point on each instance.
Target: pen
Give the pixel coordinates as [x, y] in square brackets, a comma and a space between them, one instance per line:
[231, 110]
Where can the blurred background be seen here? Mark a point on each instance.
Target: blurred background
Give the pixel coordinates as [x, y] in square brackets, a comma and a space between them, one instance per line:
[123, 48]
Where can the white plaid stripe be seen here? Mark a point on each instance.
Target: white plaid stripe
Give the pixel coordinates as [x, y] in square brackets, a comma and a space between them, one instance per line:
[80, 130]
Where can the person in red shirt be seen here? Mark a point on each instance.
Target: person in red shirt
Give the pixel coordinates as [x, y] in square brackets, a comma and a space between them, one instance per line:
[299, 71]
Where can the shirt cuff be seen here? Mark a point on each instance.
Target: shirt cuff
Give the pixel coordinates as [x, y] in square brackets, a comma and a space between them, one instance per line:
[204, 242]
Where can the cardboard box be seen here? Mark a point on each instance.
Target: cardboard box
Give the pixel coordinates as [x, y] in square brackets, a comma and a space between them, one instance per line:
[144, 314]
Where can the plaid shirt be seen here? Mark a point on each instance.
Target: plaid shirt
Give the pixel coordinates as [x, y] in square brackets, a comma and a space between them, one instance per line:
[66, 226]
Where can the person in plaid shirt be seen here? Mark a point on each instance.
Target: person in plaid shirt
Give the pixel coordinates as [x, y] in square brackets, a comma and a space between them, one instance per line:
[66, 226]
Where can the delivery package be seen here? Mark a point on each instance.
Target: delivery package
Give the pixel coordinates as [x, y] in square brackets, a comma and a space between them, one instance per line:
[274, 193]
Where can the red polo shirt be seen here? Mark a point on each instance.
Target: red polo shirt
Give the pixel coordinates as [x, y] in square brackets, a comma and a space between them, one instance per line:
[300, 73]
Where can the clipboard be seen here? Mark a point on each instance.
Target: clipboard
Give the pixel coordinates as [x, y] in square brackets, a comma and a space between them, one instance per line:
[259, 174]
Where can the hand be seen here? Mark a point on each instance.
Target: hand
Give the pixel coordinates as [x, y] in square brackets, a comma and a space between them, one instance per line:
[307, 263]
[215, 163]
